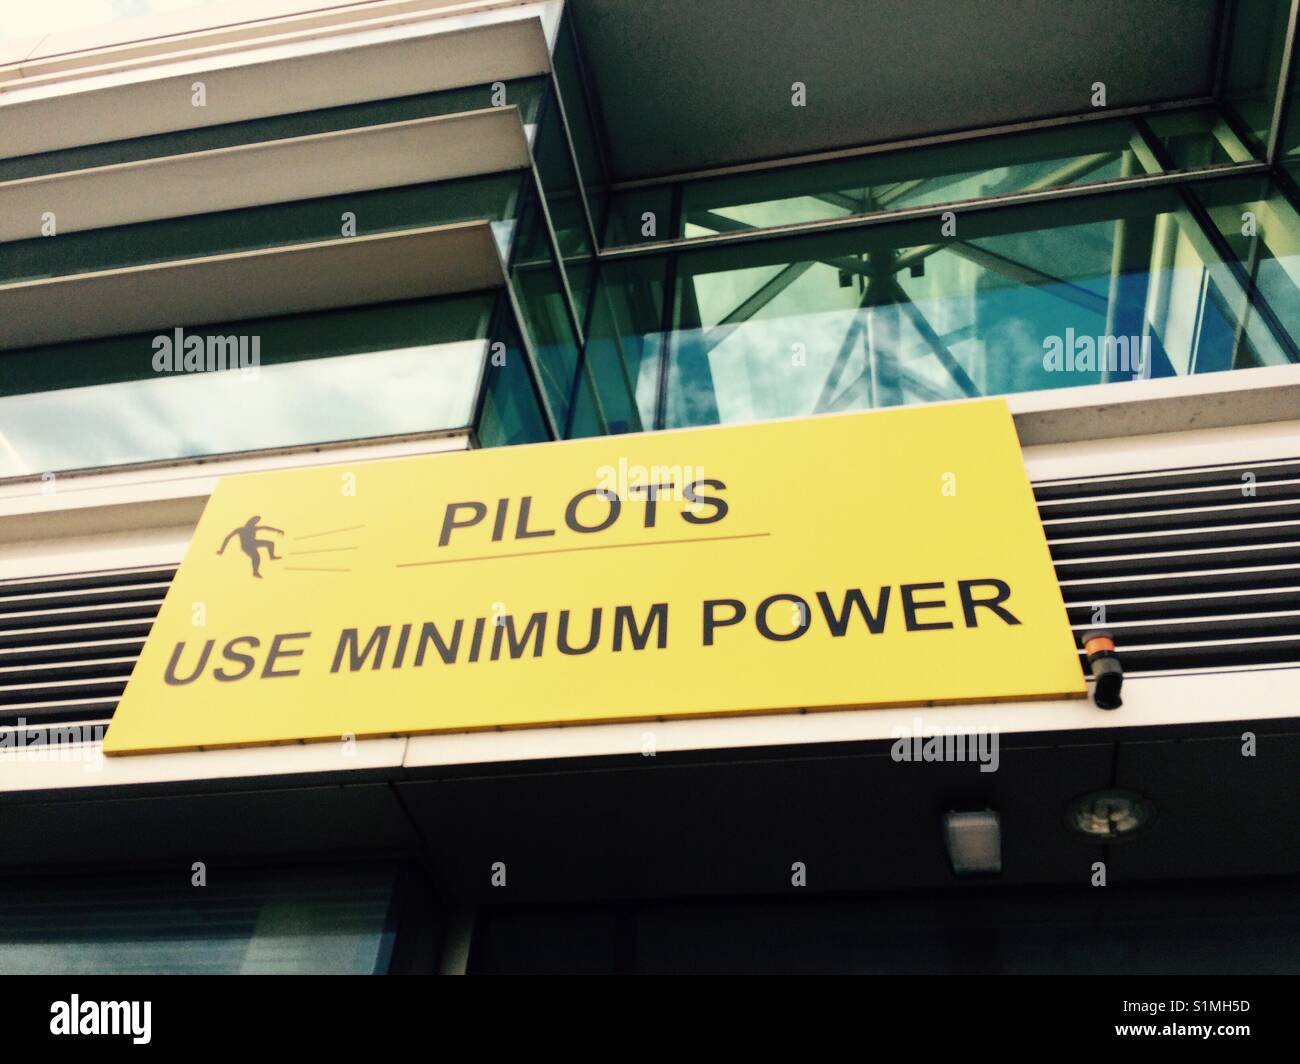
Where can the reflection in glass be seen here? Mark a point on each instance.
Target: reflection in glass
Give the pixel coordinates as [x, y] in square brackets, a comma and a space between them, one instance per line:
[265, 922]
[381, 393]
[545, 313]
[1254, 64]
[580, 117]
[564, 202]
[1262, 227]
[510, 410]
[1022, 299]
[1202, 137]
[384, 370]
[896, 180]
[624, 342]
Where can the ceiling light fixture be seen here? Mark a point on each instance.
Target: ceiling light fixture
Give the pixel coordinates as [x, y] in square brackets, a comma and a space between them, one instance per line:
[1110, 816]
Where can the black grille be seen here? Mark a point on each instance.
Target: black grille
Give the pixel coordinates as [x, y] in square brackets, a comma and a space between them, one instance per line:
[68, 643]
[1188, 568]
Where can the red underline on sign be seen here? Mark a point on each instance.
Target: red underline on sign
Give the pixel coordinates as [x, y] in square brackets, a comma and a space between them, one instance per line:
[331, 532]
[571, 550]
[318, 550]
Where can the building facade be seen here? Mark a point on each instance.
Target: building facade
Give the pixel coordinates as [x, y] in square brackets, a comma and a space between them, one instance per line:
[250, 239]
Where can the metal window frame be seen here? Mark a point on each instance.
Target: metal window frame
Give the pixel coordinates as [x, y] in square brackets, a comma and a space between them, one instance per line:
[1165, 176]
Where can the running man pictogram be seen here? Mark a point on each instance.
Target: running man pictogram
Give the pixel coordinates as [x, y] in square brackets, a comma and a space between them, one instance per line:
[250, 544]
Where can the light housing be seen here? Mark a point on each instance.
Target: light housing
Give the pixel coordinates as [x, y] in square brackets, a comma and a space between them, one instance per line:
[1110, 815]
[974, 842]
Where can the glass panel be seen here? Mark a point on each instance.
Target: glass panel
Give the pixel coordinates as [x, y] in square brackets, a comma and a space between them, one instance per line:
[511, 411]
[326, 921]
[582, 121]
[625, 343]
[1130, 288]
[588, 419]
[1258, 34]
[613, 391]
[1289, 147]
[1197, 138]
[564, 201]
[526, 94]
[640, 215]
[947, 173]
[1263, 229]
[494, 198]
[279, 382]
[544, 306]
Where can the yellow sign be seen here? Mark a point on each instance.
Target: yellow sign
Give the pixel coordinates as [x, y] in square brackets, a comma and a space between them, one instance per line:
[888, 558]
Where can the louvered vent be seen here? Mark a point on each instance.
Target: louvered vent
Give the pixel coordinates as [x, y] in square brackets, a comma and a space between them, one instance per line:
[68, 643]
[1195, 568]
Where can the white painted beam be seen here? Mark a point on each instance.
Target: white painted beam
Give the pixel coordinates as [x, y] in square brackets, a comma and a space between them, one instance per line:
[305, 76]
[349, 272]
[277, 171]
